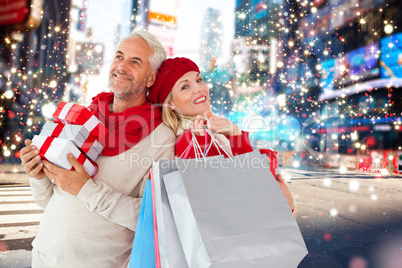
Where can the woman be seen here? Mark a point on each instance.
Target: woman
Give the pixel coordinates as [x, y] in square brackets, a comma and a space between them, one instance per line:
[185, 101]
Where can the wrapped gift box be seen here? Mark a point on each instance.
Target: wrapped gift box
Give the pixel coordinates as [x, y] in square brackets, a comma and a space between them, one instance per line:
[77, 134]
[55, 150]
[70, 113]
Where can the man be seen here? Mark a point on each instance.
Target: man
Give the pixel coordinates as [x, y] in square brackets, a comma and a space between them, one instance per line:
[91, 222]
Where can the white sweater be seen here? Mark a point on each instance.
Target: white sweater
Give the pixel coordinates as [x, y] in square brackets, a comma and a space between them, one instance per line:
[96, 228]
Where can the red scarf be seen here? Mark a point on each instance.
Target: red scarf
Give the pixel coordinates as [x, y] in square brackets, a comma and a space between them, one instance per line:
[126, 129]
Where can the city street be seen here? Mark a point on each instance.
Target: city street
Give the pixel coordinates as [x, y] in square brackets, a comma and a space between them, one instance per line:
[346, 219]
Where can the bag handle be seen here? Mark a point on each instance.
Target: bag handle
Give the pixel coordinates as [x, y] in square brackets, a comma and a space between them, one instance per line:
[216, 143]
[197, 148]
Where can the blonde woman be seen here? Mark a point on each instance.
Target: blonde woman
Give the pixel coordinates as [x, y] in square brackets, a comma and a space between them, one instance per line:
[184, 98]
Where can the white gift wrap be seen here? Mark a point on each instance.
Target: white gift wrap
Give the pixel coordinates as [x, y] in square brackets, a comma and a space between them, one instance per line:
[77, 134]
[232, 214]
[58, 151]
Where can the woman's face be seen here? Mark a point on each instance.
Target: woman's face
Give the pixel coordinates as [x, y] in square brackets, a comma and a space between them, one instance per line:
[190, 95]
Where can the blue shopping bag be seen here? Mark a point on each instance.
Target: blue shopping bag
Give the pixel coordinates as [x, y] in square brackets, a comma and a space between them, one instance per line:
[143, 252]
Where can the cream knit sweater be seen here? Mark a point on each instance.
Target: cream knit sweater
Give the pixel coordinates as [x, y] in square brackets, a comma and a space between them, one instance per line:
[96, 228]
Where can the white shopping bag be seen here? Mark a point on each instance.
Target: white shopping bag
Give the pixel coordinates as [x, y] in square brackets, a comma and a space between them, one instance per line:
[231, 213]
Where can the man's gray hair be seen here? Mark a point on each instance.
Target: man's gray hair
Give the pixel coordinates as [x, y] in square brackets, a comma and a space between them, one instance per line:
[159, 53]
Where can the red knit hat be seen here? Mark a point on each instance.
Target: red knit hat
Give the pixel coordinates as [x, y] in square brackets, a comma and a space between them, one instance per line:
[168, 74]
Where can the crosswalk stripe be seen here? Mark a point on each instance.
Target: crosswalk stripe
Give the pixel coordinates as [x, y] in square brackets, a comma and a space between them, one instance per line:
[18, 206]
[16, 188]
[20, 218]
[19, 214]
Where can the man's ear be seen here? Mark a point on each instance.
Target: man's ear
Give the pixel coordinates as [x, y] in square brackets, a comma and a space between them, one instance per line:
[151, 79]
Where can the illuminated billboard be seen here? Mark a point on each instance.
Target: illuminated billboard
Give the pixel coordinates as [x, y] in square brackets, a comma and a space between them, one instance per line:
[391, 56]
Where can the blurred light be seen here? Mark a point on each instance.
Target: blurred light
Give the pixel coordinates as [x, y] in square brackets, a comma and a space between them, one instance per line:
[98, 48]
[279, 64]
[388, 29]
[334, 136]
[9, 94]
[333, 212]
[281, 100]
[374, 197]
[362, 21]
[296, 164]
[13, 70]
[318, 67]
[343, 169]
[390, 157]
[357, 145]
[48, 110]
[291, 44]
[327, 182]
[363, 147]
[13, 147]
[286, 177]
[72, 68]
[242, 16]
[352, 208]
[353, 136]
[354, 185]
[53, 84]
[313, 9]
[7, 153]
[29, 122]
[57, 28]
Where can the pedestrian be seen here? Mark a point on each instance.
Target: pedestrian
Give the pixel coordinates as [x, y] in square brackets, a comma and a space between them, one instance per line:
[184, 97]
[91, 222]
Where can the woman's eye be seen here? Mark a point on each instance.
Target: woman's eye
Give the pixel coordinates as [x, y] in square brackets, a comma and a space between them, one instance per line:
[199, 80]
[184, 87]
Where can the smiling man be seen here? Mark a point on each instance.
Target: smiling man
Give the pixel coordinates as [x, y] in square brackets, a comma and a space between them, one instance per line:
[91, 222]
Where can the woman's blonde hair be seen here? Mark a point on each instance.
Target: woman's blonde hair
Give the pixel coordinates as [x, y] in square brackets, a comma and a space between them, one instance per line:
[174, 119]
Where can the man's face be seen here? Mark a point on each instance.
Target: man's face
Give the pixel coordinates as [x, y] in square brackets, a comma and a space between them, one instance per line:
[129, 74]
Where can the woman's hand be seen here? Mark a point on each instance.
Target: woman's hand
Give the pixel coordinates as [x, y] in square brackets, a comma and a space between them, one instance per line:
[222, 125]
[198, 127]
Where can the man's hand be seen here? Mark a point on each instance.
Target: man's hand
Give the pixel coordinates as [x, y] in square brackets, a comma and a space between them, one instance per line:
[30, 158]
[69, 181]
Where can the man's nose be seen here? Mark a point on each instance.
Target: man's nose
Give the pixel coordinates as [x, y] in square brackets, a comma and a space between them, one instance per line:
[122, 66]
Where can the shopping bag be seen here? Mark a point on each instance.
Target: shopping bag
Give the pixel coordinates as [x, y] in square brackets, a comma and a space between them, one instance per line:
[143, 252]
[231, 213]
[170, 250]
[156, 240]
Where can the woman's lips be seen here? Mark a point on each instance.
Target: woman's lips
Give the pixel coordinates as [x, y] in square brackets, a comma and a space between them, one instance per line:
[200, 100]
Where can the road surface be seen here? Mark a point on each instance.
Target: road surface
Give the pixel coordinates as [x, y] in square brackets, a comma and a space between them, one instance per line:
[347, 220]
